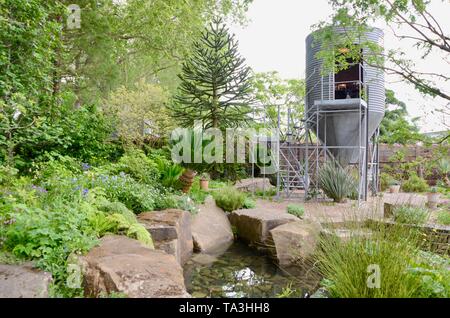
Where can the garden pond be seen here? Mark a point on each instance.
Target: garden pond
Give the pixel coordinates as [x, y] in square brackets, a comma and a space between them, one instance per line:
[240, 272]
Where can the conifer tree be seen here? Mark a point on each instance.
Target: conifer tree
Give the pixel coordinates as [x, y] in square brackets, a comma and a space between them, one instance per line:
[215, 82]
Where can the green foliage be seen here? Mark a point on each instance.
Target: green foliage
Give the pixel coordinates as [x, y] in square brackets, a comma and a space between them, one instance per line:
[395, 249]
[136, 196]
[271, 90]
[28, 43]
[415, 184]
[182, 202]
[411, 215]
[215, 83]
[170, 174]
[137, 165]
[386, 180]
[143, 42]
[83, 132]
[296, 210]
[395, 127]
[229, 198]
[249, 203]
[443, 217]
[432, 270]
[145, 115]
[336, 182]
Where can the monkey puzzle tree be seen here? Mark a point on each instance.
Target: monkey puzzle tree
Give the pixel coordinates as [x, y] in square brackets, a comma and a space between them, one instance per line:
[215, 82]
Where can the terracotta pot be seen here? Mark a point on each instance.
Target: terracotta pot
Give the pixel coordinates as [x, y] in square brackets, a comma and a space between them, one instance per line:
[187, 179]
[433, 200]
[394, 189]
[204, 184]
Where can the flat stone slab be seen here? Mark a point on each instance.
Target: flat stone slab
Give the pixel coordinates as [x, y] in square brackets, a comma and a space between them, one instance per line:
[211, 229]
[120, 264]
[393, 200]
[23, 281]
[295, 241]
[253, 184]
[253, 225]
[171, 232]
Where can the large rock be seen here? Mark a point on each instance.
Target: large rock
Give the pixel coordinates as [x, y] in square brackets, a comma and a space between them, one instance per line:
[120, 264]
[253, 225]
[253, 184]
[211, 229]
[295, 241]
[171, 232]
[23, 281]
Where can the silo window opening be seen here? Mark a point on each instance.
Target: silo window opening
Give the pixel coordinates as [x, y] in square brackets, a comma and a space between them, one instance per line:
[348, 82]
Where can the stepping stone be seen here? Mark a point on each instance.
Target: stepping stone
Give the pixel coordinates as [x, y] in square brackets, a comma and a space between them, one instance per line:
[171, 232]
[253, 225]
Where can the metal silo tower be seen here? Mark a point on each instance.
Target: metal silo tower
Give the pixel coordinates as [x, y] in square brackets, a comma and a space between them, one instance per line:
[343, 111]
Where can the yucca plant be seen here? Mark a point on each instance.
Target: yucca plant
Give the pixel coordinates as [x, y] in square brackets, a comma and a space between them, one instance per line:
[336, 182]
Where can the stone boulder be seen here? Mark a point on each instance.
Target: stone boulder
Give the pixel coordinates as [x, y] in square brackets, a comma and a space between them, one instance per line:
[295, 241]
[253, 225]
[123, 265]
[170, 231]
[253, 184]
[211, 229]
[23, 281]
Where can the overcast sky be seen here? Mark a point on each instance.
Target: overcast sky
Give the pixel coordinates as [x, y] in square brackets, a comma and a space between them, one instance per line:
[274, 40]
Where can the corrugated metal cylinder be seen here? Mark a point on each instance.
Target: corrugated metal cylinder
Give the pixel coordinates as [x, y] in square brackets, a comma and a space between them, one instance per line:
[342, 129]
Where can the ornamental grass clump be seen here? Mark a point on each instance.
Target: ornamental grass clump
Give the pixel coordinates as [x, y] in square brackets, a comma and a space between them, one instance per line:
[336, 182]
[380, 259]
[411, 215]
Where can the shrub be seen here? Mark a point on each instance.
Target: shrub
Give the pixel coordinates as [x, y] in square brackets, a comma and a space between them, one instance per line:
[137, 165]
[415, 184]
[411, 215]
[135, 196]
[249, 203]
[296, 210]
[336, 182]
[443, 217]
[229, 198]
[181, 202]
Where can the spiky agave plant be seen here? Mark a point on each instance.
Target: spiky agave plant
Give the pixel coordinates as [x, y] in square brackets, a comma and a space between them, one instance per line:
[336, 182]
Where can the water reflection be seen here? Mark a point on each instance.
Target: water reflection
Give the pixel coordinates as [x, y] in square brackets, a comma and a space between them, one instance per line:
[239, 272]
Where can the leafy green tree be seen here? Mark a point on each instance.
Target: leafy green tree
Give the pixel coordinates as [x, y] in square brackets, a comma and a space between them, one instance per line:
[395, 127]
[272, 92]
[140, 112]
[215, 83]
[119, 43]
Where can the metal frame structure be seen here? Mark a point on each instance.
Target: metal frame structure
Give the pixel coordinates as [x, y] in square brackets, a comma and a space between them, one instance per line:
[302, 154]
